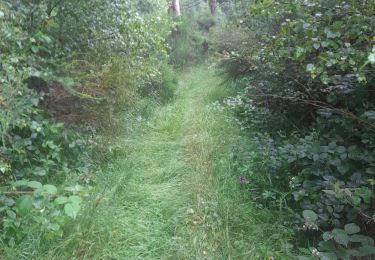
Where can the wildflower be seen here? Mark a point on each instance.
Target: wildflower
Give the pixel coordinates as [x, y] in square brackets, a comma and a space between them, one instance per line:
[242, 180]
[318, 15]
[315, 252]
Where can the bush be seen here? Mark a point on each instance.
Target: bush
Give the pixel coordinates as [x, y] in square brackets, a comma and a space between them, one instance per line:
[78, 63]
[308, 82]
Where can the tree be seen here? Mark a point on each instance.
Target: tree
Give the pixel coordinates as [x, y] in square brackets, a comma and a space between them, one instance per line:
[213, 7]
[175, 8]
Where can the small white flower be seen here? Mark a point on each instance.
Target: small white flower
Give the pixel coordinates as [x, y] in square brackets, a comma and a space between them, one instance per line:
[315, 252]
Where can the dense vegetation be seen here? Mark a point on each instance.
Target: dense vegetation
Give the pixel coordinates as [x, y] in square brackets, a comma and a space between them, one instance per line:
[66, 69]
[77, 77]
[306, 69]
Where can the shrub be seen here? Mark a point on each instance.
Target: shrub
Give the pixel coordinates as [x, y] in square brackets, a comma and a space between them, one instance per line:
[73, 62]
[308, 82]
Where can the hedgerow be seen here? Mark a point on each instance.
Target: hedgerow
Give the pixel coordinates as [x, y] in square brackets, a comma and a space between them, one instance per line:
[306, 69]
[66, 69]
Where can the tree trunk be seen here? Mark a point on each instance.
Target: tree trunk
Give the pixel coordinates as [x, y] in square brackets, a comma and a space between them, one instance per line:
[175, 7]
[213, 7]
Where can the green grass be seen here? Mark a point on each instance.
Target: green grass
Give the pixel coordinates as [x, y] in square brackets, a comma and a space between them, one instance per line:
[171, 192]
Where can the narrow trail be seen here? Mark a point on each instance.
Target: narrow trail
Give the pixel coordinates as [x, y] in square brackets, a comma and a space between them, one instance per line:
[168, 206]
[165, 207]
[171, 193]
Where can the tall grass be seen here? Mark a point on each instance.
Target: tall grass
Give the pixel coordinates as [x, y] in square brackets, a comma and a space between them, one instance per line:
[171, 191]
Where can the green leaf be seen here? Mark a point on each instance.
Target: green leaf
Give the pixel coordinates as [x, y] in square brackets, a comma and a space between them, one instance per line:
[72, 209]
[74, 189]
[340, 236]
[331, 34]
[20, 183]
[341, 149]
[366, 251]
[61, 200]
[24, 205]
[300, 52]
[370, 115]
[330, 192]
[46, 38]
[54, 227]
[75, 199]
[34, 49]
[327, 236]
[34, 184]
[343, 253]
[8, 202]
[325, 44]
[351, 228]
[309, 215]
[48, 188]
[73, 206]
[364, 240]
[327, 256]
[40, 172]
[316, 46]
[327, 245]
[11, 214]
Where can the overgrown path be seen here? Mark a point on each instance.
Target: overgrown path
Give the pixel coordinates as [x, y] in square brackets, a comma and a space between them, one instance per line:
[171, 193]
[164, 205]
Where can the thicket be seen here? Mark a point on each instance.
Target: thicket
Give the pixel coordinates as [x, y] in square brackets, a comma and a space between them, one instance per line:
[66, 69]
[305, 74]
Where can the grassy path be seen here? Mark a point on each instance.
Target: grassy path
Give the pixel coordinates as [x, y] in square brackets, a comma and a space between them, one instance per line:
[171, 193]
[167, 204]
